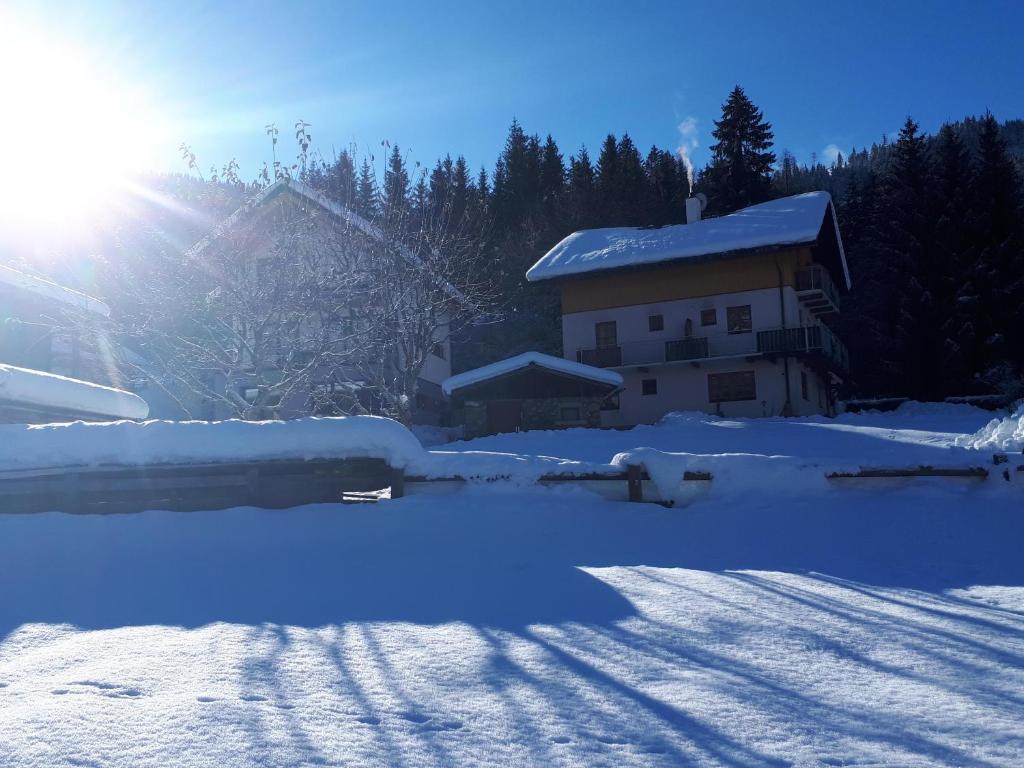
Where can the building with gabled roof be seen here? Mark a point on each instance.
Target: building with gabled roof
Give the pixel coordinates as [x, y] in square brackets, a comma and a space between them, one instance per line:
[726, 315]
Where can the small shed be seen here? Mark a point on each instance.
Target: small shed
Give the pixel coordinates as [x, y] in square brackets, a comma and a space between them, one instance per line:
[530, 391]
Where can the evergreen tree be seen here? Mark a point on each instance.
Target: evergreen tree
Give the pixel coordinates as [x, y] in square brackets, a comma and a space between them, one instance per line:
[1000, 265]
[366, 199]
[741, 159]
[552, 182]
[906, 237]
[396, 185]
[954, 256]
[582, 191]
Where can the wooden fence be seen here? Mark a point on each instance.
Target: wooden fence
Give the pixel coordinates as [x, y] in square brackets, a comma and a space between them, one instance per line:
[279, 484]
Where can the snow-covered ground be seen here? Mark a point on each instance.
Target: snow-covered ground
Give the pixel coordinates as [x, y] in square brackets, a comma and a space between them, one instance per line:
[503, 625]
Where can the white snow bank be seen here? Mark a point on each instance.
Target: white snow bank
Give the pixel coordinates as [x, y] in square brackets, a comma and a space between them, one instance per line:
[38, 389]
[167, 442]
[50, 290]
[787, 221]
[526, 359]
[1006, 434]
[732, 473]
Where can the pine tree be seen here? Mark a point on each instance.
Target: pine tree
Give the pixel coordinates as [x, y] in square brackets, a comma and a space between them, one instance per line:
[954, 256]
[396, 185]
[582, 191]
[907, 240]
[366, 199]
[997, 193]
[552, 182]
[741, 161]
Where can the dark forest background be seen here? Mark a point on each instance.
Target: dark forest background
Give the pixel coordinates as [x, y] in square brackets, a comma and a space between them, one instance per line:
[933, 227]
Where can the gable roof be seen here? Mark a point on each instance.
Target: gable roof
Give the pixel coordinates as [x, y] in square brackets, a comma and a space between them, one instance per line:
[307, 192]
[51, 291]
[525, 360]
[795, 220]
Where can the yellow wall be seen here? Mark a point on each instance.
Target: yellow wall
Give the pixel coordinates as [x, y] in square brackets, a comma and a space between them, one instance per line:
[680, 280]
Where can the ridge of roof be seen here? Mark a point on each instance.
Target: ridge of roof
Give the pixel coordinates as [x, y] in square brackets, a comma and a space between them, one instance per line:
[793, 220]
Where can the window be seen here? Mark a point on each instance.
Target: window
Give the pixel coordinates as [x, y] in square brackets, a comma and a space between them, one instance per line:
[656, 322]
[437, 350]
[606, 334]
[803, 385]
[738, 319]
[708, 317]
[649, 387]
[729, 387]
[610, 403]
[569, 413]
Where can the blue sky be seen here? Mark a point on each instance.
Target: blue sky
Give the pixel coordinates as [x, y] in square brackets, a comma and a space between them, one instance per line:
[449, 77]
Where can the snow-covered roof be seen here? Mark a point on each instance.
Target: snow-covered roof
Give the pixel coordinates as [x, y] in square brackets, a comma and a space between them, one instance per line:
[304, 190]
[792, 220]
[49, 290]
[556, 364]
[47, 391]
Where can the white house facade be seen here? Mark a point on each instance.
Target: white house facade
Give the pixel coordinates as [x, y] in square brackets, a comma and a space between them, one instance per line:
[724, 315]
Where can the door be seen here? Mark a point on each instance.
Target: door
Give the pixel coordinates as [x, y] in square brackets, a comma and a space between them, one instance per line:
[504, 416]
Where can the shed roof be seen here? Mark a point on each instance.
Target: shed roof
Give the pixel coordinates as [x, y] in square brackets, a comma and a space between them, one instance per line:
[794, 220]
[525, 360]
[43, 391]
[51, 291]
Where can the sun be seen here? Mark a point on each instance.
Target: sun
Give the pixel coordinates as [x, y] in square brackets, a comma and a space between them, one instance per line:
[72, 129]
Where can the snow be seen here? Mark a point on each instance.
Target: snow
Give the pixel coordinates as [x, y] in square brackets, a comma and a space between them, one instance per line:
[1006, 434]
[38, 389]
[786, 221]
[52, 291]
[551, 363]
[166, 442]
[773, 621]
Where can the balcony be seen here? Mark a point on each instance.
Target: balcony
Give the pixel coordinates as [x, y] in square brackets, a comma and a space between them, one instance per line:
[816, 340]
[805, 340]
[815, 289]
[600, 357]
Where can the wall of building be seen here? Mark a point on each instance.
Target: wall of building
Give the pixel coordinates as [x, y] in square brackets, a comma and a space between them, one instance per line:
[684, 387]
[578, 328]
[683, 280]
[535, 413]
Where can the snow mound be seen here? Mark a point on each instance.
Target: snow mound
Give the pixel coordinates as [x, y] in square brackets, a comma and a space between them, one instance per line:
[1006, 434]
[732, 473]
[167, 442]
[27, 387]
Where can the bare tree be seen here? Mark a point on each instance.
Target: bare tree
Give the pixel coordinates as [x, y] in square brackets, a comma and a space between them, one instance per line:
[294, 304]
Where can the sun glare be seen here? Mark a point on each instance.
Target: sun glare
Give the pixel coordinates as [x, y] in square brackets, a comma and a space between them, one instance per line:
[72, 132]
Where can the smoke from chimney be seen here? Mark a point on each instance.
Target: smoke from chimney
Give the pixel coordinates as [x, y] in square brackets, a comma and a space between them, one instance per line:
[687, 144]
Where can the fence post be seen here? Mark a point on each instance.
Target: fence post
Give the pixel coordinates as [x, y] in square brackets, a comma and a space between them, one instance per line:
[397, 483]
[634, 482]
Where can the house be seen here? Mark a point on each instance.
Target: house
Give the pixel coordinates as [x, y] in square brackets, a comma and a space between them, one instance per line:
[725, 315]
[303, 338]
[530, 391]
[52, 362]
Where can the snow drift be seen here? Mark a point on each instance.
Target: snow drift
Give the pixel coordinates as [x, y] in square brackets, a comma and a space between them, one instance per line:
[1005, 434]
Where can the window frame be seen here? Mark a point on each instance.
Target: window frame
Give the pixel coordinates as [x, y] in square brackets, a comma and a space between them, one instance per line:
[605, 324]
[749, 318]
[732, 396]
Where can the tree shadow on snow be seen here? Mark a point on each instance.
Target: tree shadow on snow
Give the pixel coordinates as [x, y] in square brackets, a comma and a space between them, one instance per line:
[484, 558]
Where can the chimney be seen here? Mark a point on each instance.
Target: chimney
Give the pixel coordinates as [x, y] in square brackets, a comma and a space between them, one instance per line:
[693, 208]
